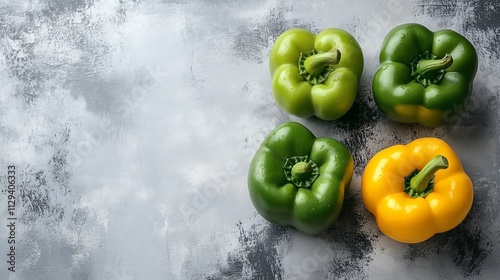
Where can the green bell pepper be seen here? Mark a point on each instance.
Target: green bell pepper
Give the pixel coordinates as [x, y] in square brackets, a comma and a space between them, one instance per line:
[315, 75]
[425, 77]
[299, 180]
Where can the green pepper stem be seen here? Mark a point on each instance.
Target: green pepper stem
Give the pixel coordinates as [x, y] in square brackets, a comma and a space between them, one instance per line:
[420, 181]
[301, 170]
[428, 70]
[426, 66]
[316, 64]
[315, 67]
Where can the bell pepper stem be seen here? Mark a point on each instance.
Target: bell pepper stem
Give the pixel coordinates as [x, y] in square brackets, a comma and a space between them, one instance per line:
[426, 66]
[420, 182]
[428, 70]
[315, 67]
[300, 171]
[318, 63]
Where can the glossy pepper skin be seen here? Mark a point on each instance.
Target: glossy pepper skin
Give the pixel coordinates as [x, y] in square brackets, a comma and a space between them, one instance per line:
[299, 180]
[424, 77]
[315, 75]
[412, 208]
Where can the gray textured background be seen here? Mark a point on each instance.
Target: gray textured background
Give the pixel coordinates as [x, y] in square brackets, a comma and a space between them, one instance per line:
[132, 123]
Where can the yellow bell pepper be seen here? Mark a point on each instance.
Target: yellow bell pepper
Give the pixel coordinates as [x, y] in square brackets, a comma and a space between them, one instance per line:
[417, 190]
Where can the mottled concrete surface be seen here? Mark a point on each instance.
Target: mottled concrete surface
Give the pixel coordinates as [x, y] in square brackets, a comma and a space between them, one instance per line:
[131, 125]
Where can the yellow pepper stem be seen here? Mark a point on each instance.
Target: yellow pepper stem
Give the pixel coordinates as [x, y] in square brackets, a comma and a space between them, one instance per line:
[420, 182]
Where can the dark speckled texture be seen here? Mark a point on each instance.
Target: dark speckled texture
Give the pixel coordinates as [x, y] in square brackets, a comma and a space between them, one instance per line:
[132, 123]
[258, 257]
